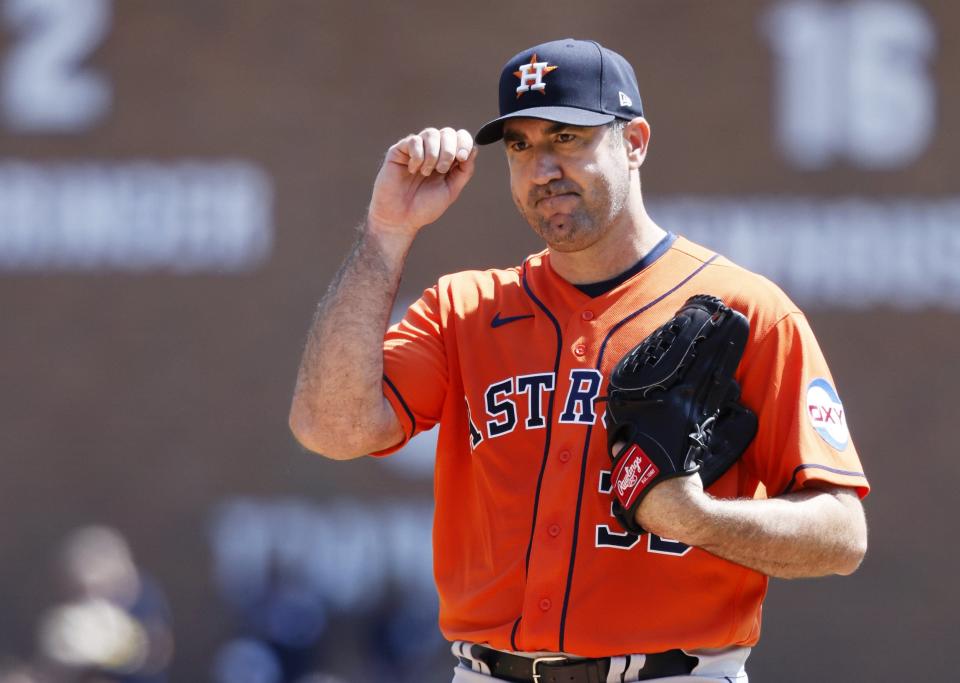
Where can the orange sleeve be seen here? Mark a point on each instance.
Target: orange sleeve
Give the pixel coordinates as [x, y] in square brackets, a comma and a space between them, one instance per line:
[803, 435]
[415, 370]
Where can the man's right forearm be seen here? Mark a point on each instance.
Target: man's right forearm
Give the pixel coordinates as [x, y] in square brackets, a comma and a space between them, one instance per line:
[338, 405]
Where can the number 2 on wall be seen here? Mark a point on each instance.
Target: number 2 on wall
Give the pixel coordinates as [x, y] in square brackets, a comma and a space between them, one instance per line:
[44, 86]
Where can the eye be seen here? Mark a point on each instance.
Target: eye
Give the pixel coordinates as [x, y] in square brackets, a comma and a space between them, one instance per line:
[566, 137]
[517, 145]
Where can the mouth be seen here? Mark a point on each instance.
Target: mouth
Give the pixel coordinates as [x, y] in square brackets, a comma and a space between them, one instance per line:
[558, 194]
[557, 203]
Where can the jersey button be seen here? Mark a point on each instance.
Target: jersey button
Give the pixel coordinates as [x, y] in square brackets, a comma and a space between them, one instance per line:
[564, 456]
[554, 530]
[579, 349]
[545, 604]
[587, 315]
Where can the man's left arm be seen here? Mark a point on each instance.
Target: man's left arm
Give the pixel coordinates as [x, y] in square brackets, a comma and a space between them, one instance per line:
[813, 532]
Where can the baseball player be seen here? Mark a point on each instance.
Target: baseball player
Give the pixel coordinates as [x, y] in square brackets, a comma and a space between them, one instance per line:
[538, 580]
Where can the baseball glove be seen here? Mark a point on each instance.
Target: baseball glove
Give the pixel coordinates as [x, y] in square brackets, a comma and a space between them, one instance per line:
[672, 401]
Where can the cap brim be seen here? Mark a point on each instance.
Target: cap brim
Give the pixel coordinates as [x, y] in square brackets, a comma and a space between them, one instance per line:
[493, 131]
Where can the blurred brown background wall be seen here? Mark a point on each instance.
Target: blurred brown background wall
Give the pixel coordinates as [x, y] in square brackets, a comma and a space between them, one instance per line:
[179, 180]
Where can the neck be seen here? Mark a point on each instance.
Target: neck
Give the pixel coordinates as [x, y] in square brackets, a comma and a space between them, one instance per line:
[629, 240]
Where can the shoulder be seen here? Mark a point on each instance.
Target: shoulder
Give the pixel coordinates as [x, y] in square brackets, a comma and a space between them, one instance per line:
[471, 290]
[759, 299]
[492, 278]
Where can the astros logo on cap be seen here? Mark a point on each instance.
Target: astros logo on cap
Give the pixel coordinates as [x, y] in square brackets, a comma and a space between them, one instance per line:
[531, 75]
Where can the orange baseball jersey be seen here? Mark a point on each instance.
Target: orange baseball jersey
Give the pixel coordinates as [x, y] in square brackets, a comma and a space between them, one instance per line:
[527, 554]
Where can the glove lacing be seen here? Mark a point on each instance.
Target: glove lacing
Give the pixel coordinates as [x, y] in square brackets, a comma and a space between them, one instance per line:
[701, 437]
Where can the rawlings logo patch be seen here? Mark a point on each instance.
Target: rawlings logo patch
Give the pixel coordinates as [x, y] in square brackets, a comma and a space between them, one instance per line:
[632, 475]
[531, 75]
[826, 413]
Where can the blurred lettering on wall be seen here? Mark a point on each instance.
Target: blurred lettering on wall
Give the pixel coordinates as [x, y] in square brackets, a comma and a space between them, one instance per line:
[181, 217]
[850, 252]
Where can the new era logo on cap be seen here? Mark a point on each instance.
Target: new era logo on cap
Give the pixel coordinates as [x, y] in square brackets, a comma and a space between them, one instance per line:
[579, 82]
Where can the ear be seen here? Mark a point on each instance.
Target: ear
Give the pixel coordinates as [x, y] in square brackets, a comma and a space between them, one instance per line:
[636, 136]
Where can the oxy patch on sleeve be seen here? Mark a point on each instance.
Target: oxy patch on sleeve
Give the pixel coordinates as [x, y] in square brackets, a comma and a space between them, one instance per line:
[826, 413]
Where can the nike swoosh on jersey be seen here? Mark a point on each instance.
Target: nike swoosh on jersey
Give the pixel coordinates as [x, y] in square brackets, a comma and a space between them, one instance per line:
[498, 321]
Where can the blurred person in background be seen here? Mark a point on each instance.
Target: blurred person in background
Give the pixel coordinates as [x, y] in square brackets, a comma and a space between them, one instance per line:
[18, 672]
[115, 622]
[247, 660]
[281, 618]
[403, 637]
[321, 678]
[252, 660]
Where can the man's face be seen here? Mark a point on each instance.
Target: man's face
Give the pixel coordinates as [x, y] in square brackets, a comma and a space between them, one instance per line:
[570, 182]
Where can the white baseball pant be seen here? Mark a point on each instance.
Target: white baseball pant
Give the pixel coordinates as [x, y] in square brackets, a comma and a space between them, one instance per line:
[715, 666]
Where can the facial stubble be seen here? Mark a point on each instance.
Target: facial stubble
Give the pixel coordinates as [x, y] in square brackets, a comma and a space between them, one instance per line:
[599, 206]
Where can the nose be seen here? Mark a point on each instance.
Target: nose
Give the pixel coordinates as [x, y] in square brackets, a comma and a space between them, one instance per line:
[545, 168]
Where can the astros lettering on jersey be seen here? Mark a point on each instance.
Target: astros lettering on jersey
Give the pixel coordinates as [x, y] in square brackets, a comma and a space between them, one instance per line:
[527, 553]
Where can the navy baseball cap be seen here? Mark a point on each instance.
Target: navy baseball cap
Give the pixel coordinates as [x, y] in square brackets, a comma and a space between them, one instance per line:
[579, 82]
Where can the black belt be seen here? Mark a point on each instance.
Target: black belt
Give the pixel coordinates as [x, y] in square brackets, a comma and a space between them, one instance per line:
[558, 669]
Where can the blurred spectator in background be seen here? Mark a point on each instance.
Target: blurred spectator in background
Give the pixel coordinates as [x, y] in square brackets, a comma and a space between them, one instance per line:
[114, 625]
[247, 660]
[282, 619]
[320, 678]
[16, 672]
[252, 660]
[403, 637]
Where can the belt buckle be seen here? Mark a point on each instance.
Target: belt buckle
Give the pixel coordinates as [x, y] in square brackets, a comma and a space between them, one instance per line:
[540, 660]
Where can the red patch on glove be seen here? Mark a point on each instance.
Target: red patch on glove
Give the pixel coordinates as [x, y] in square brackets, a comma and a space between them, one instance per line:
[632, 475]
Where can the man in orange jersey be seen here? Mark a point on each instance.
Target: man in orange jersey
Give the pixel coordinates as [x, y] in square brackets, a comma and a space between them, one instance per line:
[537, 580]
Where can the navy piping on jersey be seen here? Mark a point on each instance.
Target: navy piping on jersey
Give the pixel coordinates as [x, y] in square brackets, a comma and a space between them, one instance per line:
[793, 479]
[596, 289]
[586, 443]
[513, 633]
[406, 408]
[547, 435]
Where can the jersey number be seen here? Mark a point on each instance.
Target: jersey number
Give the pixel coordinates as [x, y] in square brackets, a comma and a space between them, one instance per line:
[624, 540]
